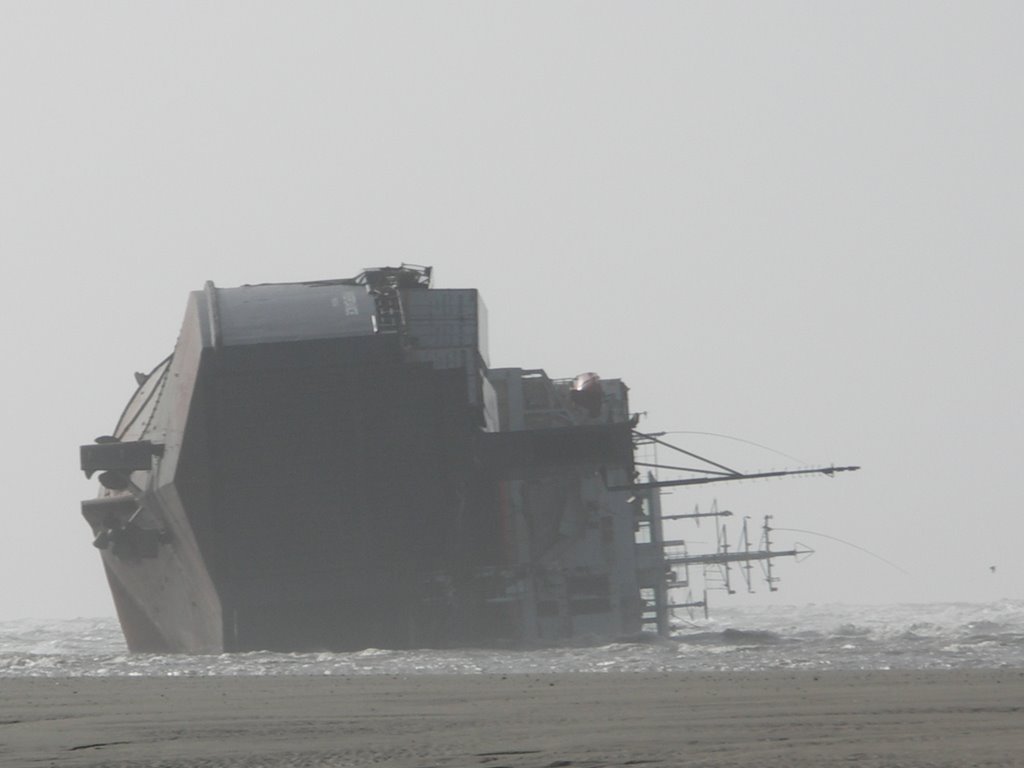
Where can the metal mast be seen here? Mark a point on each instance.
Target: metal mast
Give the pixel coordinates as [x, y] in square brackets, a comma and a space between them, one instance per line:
[717, 565]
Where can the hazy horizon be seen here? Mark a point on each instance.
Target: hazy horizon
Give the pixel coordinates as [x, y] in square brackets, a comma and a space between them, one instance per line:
[797, 224]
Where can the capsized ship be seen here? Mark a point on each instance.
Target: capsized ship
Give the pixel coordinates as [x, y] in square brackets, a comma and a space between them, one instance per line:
[334, 465]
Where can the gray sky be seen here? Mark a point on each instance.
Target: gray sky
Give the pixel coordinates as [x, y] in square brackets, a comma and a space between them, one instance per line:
[795, 223]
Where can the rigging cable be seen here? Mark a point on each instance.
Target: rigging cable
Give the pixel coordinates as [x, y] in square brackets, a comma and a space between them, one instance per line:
[738, 440]
[847, 543]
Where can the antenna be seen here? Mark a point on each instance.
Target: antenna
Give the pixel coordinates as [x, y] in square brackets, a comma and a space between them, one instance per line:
[719, 474]
[660, 576]
[717, 564]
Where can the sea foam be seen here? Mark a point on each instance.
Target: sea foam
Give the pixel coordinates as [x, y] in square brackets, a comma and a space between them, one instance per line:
[815, 637]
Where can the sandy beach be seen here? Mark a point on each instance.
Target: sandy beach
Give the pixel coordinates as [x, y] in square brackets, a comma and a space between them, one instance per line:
[954, 718]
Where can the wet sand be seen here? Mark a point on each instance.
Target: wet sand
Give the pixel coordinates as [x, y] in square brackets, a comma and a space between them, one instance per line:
[956, 718]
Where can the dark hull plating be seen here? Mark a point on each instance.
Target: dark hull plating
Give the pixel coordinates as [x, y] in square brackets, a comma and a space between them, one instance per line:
[323, 483]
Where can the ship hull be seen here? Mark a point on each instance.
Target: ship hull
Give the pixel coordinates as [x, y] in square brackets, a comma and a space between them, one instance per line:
[329, 466]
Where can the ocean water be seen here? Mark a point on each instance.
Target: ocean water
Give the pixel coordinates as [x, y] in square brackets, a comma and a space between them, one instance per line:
[814, 637]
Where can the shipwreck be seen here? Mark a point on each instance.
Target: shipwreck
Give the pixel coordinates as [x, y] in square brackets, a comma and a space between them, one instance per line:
[334, 465]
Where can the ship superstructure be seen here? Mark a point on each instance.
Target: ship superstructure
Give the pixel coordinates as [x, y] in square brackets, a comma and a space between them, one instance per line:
[333, 465]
